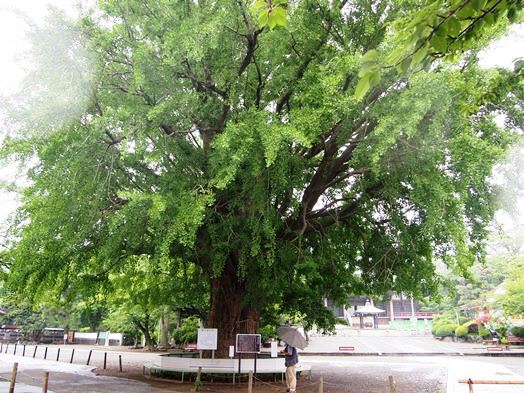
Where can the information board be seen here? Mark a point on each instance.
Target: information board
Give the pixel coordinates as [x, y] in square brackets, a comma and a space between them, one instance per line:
[207, 339]
[248, 343]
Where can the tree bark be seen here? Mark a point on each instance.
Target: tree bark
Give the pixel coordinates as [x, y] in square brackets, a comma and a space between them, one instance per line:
[227, 313]
[164, 328]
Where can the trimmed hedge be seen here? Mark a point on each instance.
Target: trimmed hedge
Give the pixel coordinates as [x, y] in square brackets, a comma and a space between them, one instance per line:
[446, 330]
[461, 331]
[518, 331]
[438, 323]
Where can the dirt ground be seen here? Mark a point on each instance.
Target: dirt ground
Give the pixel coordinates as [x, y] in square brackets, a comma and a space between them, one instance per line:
[359, 376]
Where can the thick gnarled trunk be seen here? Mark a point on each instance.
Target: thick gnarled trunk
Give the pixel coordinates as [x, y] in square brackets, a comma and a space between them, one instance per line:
[227, 312]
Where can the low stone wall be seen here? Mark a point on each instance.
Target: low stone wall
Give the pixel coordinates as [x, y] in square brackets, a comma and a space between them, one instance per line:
[179, 363]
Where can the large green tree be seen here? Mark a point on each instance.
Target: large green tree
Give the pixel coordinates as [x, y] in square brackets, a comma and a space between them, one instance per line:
[238, 159]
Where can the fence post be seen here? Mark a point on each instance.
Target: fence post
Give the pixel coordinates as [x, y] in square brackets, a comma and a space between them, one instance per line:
[250, 382]
[1, 347]
[89, 356]
[198, 381]
[120, 362]
[105, 359]
[34, 353]
[392, 384]
[46, 382]
[13, 378]
[72, 354]
[14, 353]
[45, 353]
[321, 385]
[58, 354]
[23, 352]
[6, 347]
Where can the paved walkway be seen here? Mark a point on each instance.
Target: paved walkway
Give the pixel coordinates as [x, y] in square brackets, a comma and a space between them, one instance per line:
[393, 344]
[459, 356]
[477, 371]
[392, 351]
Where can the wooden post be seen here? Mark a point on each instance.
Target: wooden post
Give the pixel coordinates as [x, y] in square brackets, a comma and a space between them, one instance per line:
[23, 352]
[392, 384]
[72, 354]
[6, 347]
[89, 356]
[45, 353]
[58, 354]
[321, 385]
[197, 382]
[250, 382]
[34, 353]
[46, 382]
[14, 353]
[120, 362]
[1, 347]
[13, 378]
[105, 360]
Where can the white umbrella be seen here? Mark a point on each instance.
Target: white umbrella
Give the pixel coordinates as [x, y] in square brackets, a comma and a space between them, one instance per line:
[292, 336]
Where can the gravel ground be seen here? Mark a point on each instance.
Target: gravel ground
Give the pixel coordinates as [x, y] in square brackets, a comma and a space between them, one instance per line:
[340, 375]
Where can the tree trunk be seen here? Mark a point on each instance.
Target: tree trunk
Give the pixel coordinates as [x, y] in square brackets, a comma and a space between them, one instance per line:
[145, 327]
[227, 313]
[164, 328]
[149, 342]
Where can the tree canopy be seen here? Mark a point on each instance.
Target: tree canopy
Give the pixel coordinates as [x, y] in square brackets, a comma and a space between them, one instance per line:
[238, 161]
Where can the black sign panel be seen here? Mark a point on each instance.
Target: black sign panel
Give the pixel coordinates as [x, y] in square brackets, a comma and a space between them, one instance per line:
[248, 343]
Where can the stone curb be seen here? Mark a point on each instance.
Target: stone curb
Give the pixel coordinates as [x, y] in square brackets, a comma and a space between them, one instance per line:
[495, 354]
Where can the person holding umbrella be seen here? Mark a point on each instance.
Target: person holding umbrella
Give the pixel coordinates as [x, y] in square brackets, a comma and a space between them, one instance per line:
[293, 340]
[291, 361]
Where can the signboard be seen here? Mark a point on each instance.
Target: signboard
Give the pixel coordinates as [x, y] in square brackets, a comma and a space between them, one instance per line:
[248, 343]
[207, 339]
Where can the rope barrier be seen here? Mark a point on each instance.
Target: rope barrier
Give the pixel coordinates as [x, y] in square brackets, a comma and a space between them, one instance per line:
[104, 359]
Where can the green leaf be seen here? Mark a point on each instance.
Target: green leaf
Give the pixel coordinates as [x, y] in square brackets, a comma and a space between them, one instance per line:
[374, 78]
[439, 43]
[370, 56]
[453, 26]
[263, 18]
[258, 5]
[519, 65]
[403, 67]
[490, 19]
[363, 86]
[512, 14]
[478, 4]
[420, 55]
[280, 16]
[272, 22]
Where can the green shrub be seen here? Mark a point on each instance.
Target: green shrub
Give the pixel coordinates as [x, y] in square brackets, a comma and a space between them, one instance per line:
[446, 330]
[483, 332]
[437, 324]
[267, 332]
[518, 331]
[188, 331]
[461, 331]
[463, 320]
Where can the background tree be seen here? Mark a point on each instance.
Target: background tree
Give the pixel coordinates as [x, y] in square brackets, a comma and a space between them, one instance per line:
[513, 299]
[238, 160]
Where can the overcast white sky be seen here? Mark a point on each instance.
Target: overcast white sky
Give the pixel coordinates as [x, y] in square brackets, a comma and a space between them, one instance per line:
[13, 43]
